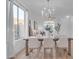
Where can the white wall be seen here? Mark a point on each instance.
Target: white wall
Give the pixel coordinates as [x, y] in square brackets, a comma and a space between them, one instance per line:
[67, 26]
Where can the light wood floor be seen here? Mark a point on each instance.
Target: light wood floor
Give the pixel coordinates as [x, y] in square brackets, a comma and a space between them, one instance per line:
[43, 54]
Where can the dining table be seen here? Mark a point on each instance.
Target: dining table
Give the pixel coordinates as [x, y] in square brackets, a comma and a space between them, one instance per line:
[40, 39]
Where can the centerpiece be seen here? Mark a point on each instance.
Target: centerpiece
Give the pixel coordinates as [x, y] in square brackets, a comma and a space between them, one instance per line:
[51, 27]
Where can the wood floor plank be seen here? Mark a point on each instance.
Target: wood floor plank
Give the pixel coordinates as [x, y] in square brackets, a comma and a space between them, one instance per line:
[44, 54]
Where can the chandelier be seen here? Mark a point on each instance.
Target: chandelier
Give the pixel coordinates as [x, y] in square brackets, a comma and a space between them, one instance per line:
[48, 11]
[51, 25]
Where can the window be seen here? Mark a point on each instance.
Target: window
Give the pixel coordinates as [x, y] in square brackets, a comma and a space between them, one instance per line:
[18, 22]
[21, 22]
[15, 19]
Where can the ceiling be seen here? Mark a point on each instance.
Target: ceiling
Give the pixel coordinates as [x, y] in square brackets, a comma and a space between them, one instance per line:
[62, 7]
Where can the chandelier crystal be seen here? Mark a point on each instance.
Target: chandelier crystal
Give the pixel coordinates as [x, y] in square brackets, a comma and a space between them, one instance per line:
[48, 11]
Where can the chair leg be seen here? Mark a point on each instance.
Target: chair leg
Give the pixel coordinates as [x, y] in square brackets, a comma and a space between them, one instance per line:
[49, 54]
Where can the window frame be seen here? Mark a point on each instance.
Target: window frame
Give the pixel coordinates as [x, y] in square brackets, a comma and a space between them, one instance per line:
[24, 18]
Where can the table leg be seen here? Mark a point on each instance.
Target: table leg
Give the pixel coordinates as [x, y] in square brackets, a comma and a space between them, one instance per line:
[55, 48]
[27, 53]
[40, 40]
[69, 46]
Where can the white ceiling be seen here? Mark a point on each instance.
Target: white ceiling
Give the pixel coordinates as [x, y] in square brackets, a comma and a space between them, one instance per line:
[62, 7]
